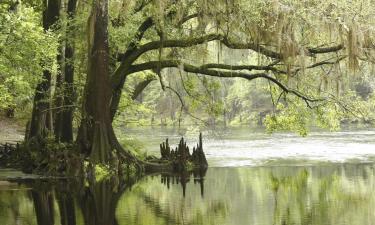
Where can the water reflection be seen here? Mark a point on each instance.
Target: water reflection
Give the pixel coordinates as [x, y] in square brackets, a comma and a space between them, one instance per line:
[43, 205]
[183, 178]
[334, 194]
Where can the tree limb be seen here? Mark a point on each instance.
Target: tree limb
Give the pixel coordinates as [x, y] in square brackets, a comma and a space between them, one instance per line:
[218, 73]
[189, 42]
[187, 18]
[253, 46]
[241, 67]
[141, 6]
[326, 49]
[148, 23]
[140, 87]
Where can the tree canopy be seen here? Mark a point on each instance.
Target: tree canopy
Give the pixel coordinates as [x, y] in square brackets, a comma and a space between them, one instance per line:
[287, 64]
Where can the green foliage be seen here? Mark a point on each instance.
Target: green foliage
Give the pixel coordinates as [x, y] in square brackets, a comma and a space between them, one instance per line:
[288, 119]
[102, 172]
[5, 97]
[25, 51]
[133, 145]
[286, 27]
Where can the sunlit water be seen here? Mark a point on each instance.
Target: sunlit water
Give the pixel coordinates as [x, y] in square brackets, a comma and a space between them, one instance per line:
[326, 178]
[248, 147]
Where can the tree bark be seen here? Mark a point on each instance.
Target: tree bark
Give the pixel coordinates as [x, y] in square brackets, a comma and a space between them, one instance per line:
[96, 136]
[59, 90]
[64, 119]
[40, 123]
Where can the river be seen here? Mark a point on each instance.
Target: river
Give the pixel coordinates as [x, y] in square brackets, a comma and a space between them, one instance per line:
[253, 178]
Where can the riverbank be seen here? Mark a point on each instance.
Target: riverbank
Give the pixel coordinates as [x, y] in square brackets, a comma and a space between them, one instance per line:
[11, 131]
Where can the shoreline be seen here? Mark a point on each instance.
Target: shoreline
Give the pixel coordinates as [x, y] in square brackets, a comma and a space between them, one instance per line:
[11, 132]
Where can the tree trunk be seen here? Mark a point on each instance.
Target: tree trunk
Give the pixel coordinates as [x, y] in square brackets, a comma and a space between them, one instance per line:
[40, 123]
[64, 119]
[96, 136]
[59, 90]
[115, 102]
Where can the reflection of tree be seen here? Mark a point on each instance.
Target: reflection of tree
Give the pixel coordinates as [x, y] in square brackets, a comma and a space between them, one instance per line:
[303, 198]
[44, 195]
[99, 200]
[14, 205]
[264, 195]
[67, 209]
[65, 200]
[170, 217]
[183, 178]
[290, 196]
[43, 204]
[158, 210]
[174, 215]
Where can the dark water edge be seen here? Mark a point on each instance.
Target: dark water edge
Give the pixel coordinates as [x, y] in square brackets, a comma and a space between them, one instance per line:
[325, 194]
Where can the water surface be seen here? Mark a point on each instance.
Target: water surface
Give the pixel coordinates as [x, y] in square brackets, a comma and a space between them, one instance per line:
[253, 178]
[253, 147]
[340, 194]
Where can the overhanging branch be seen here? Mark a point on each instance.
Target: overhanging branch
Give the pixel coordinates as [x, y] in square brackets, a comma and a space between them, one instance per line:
[218, 73]
[326, 49]
[252, 46]
[189, 42]
[242, 67]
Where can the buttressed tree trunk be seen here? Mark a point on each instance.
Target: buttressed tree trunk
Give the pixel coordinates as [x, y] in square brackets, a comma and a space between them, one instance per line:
[96, 136]
[40, 123]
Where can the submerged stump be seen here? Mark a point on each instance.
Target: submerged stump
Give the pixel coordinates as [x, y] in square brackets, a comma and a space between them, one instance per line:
[179, 159]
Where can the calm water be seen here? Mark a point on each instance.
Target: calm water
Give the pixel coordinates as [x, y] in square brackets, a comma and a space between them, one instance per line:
[246, 147]
[326, 178]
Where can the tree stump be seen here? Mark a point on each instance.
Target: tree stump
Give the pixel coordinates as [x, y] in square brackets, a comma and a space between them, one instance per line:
[181, 158]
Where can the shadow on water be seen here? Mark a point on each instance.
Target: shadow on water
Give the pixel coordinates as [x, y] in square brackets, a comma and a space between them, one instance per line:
[280, 195]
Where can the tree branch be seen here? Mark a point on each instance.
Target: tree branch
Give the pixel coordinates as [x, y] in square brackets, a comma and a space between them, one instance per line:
[134, 52]
[189, 42]
[255, 47]
[187, 18]
[148, 23]
[217, 73]
[181, 43]
[322, 63]
[140, 87]
[326, 49]
[242, 67]
[141, 6]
